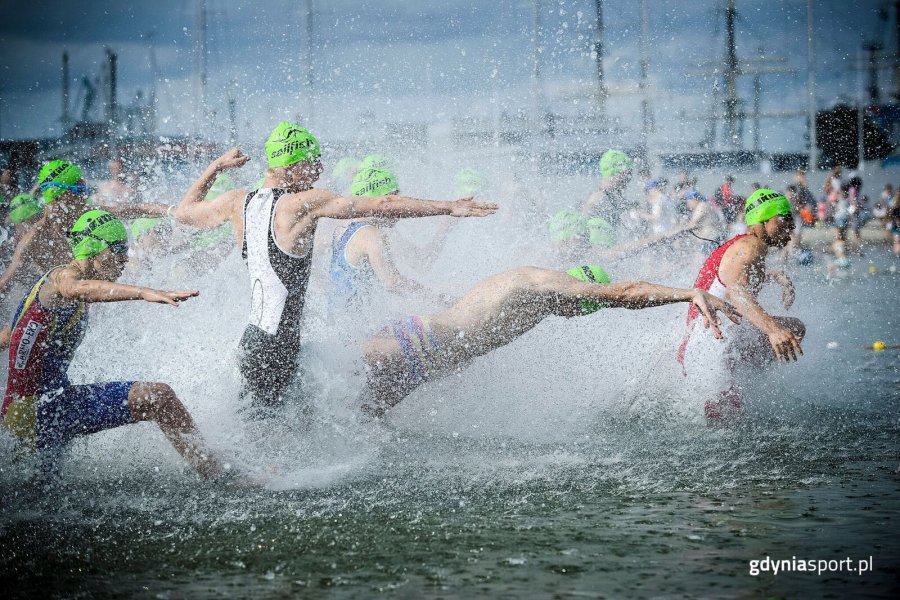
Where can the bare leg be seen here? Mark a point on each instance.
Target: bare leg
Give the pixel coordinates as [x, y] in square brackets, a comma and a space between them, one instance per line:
[5, 335]
[158, 402]
[387, 378]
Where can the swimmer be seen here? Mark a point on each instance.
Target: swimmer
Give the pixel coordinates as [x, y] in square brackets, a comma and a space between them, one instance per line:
[574, 235]
[704, 227]
[361, 251]
[42, 407]
[281, 219]
[23, 212]
[494, 313]
[609, 201]
[736, 271]
[66, 199]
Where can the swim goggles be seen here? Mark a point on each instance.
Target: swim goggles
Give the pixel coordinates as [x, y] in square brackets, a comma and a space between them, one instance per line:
[79, 190]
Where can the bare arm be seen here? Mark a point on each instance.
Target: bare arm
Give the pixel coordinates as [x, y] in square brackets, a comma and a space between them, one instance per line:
[782, 279]
[743, 274]
[67, 285]
[592, 202]
[209, 214]
[355, 207]
[136, 211]
[387, 272]
[640, 294]
[18, 257]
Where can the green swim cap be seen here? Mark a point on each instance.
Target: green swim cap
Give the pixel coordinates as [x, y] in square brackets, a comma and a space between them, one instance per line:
[57, 171]
[376, 161]
[290, 144]
[600, 232]
[23, 207]
[764, 204]
[222, 184]
[469, 182]
[94, 232]
[143, 225]
[589, 274]
[614, 162]
[210, 238]
[374, 182]
[567, 224]
[345, 167]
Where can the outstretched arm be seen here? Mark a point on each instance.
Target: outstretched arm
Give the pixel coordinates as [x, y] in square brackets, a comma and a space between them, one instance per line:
[640, 294]
[399, 207]
[209, 214]
[137, 211]
[70, 287]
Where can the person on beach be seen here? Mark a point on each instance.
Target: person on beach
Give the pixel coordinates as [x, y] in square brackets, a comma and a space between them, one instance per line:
[41, 406]
[275, 226]
[496, 311]
[736, 272]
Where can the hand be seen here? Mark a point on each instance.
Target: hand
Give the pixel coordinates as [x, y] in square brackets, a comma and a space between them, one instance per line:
[785, 344]
[164, 297]
[708, 306]
[232, 159]
[466, 207]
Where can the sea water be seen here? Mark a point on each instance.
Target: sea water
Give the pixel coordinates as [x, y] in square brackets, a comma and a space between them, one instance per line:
[574, 461]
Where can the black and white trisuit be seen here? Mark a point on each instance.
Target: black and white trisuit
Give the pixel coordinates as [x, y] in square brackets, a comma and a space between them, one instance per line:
[271, 340]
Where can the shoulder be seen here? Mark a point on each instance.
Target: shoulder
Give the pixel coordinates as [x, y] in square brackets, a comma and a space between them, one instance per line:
[309, 200]
[745, 252]
[63, 274]
[748, 243]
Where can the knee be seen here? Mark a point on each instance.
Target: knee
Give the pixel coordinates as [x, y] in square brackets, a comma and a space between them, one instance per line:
[149, 400]
[374, 351]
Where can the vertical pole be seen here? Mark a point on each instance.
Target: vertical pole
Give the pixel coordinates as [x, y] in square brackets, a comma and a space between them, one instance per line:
[232, 114]
[731, 72]
[537, 71]
[811, 88]
[65, 91]
[646, 119]
[757, 97]
[860, 114]
[112, 109]
[308, 75]
[201, 61]
[897, 50]
[602, 92]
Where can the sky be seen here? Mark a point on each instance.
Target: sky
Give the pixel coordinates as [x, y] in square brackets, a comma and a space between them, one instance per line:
[382, 62]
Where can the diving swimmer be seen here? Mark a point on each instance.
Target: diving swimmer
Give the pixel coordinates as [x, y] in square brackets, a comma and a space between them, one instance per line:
[496, 311]
[275, 226]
